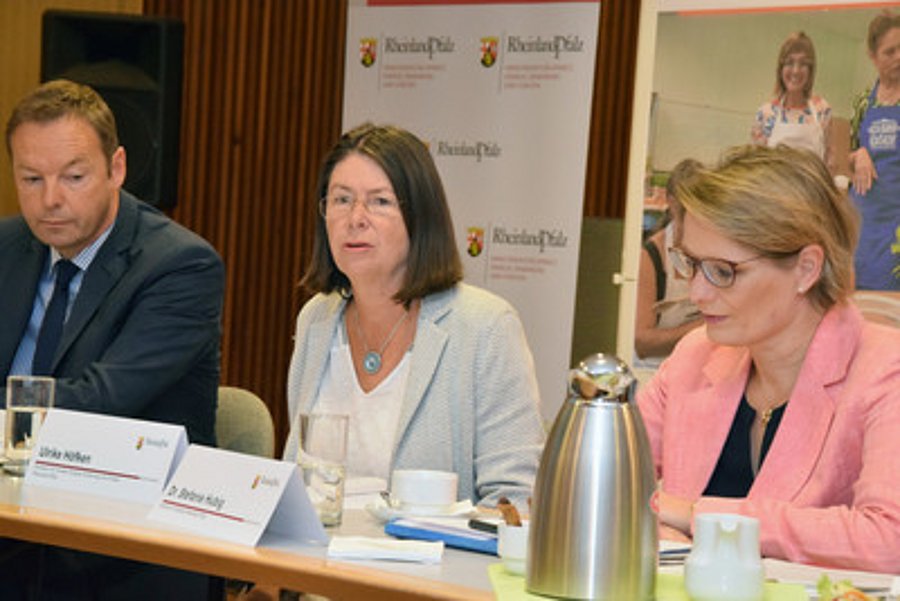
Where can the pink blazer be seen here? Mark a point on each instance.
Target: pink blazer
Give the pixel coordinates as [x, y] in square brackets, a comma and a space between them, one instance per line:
[828, 492]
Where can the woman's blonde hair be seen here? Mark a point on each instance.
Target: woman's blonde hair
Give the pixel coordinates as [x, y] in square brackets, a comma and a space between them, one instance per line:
[775, 202]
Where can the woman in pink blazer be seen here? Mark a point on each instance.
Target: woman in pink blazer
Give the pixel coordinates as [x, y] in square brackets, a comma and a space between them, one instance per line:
[786, 405]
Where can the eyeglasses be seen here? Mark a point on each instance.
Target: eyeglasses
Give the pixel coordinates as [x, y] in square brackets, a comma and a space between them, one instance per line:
[337, 205]
[797, 65]
[718, 272]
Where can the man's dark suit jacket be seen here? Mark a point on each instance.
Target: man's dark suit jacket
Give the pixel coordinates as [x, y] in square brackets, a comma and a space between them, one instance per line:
[143, 335]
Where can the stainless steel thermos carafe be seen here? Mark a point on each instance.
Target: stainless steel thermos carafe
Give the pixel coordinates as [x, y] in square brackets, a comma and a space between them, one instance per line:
[593, 535]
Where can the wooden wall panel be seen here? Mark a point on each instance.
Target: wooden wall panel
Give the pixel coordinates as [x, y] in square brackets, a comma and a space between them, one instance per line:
[20, 61]
[262, 104]
[607, 166]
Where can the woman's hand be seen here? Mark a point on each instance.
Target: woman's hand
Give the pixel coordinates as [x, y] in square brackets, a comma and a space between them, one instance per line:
[863, 171]
[671, 534]
[675, 512]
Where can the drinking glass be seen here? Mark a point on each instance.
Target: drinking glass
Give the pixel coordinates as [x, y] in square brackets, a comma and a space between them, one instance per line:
[28, 398]
[322, 456]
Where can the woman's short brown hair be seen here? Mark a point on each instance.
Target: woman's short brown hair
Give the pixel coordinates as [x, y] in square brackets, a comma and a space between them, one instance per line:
[797, 42]
[433, 263]
[879, 26]
[776, 201]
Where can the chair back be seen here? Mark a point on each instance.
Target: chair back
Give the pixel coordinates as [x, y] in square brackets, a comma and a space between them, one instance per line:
[243, 423]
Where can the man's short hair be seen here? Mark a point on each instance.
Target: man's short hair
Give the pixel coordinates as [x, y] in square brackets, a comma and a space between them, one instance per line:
[62, 98]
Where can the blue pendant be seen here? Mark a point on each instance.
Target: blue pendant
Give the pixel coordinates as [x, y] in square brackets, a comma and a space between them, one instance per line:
[372, 362]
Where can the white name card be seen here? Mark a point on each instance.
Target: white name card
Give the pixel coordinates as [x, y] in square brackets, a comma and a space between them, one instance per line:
[103, 455]
[236, 497]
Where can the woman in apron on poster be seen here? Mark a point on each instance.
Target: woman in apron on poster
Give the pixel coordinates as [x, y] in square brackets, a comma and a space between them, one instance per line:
[876, 162]
[795, 116]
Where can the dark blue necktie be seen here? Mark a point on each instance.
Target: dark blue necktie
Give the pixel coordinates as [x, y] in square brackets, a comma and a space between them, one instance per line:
[54, 317]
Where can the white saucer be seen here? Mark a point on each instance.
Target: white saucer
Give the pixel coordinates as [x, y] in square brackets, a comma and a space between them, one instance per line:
[382, 512]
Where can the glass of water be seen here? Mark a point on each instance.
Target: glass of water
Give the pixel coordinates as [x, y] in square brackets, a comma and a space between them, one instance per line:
[28, 398]
[322, 456]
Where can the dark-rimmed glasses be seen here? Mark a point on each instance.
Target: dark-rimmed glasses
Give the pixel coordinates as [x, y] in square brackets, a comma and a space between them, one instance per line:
[718, 272]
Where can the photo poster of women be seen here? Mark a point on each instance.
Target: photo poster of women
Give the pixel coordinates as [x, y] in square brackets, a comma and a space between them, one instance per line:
[711, 77]
[501, 93]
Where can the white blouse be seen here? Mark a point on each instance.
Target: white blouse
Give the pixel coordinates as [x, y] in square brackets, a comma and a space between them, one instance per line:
[374, 415]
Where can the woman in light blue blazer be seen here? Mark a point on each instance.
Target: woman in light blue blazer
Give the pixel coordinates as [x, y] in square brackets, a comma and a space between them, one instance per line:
[434, 373]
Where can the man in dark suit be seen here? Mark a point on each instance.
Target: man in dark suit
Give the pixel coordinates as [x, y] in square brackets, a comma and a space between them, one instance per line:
[142, 312]
[143, 329]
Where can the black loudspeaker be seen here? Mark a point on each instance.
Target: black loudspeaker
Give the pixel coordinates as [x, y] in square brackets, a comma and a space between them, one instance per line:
[135, 63]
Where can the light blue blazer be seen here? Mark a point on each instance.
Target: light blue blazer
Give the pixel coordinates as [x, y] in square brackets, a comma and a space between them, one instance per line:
[471, 403]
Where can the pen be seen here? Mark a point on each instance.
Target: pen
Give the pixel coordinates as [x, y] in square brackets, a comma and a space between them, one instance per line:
[675, 551]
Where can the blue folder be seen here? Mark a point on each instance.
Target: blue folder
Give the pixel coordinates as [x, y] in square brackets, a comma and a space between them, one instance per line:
[461, 537]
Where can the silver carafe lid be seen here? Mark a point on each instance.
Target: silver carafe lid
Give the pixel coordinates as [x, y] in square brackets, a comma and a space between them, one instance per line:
[602, 377]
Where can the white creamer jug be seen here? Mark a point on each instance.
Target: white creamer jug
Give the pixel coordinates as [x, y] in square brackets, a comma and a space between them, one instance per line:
[724, 564]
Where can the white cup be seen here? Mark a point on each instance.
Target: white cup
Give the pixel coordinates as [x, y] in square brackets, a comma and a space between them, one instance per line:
[423, 492]
[512, 547]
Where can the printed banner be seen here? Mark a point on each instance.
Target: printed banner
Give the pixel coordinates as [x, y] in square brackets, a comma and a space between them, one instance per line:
[502, 94]
[688, 48]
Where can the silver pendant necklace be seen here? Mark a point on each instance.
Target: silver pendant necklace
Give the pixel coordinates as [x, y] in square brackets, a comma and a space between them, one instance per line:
[372, 359]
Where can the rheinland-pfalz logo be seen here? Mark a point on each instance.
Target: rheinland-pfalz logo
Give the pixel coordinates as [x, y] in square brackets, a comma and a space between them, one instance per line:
[368, 51]
[489, 46]
[475, 241]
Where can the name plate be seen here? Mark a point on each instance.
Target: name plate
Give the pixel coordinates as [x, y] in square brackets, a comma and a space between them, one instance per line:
[103, 455]
[236, 497]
